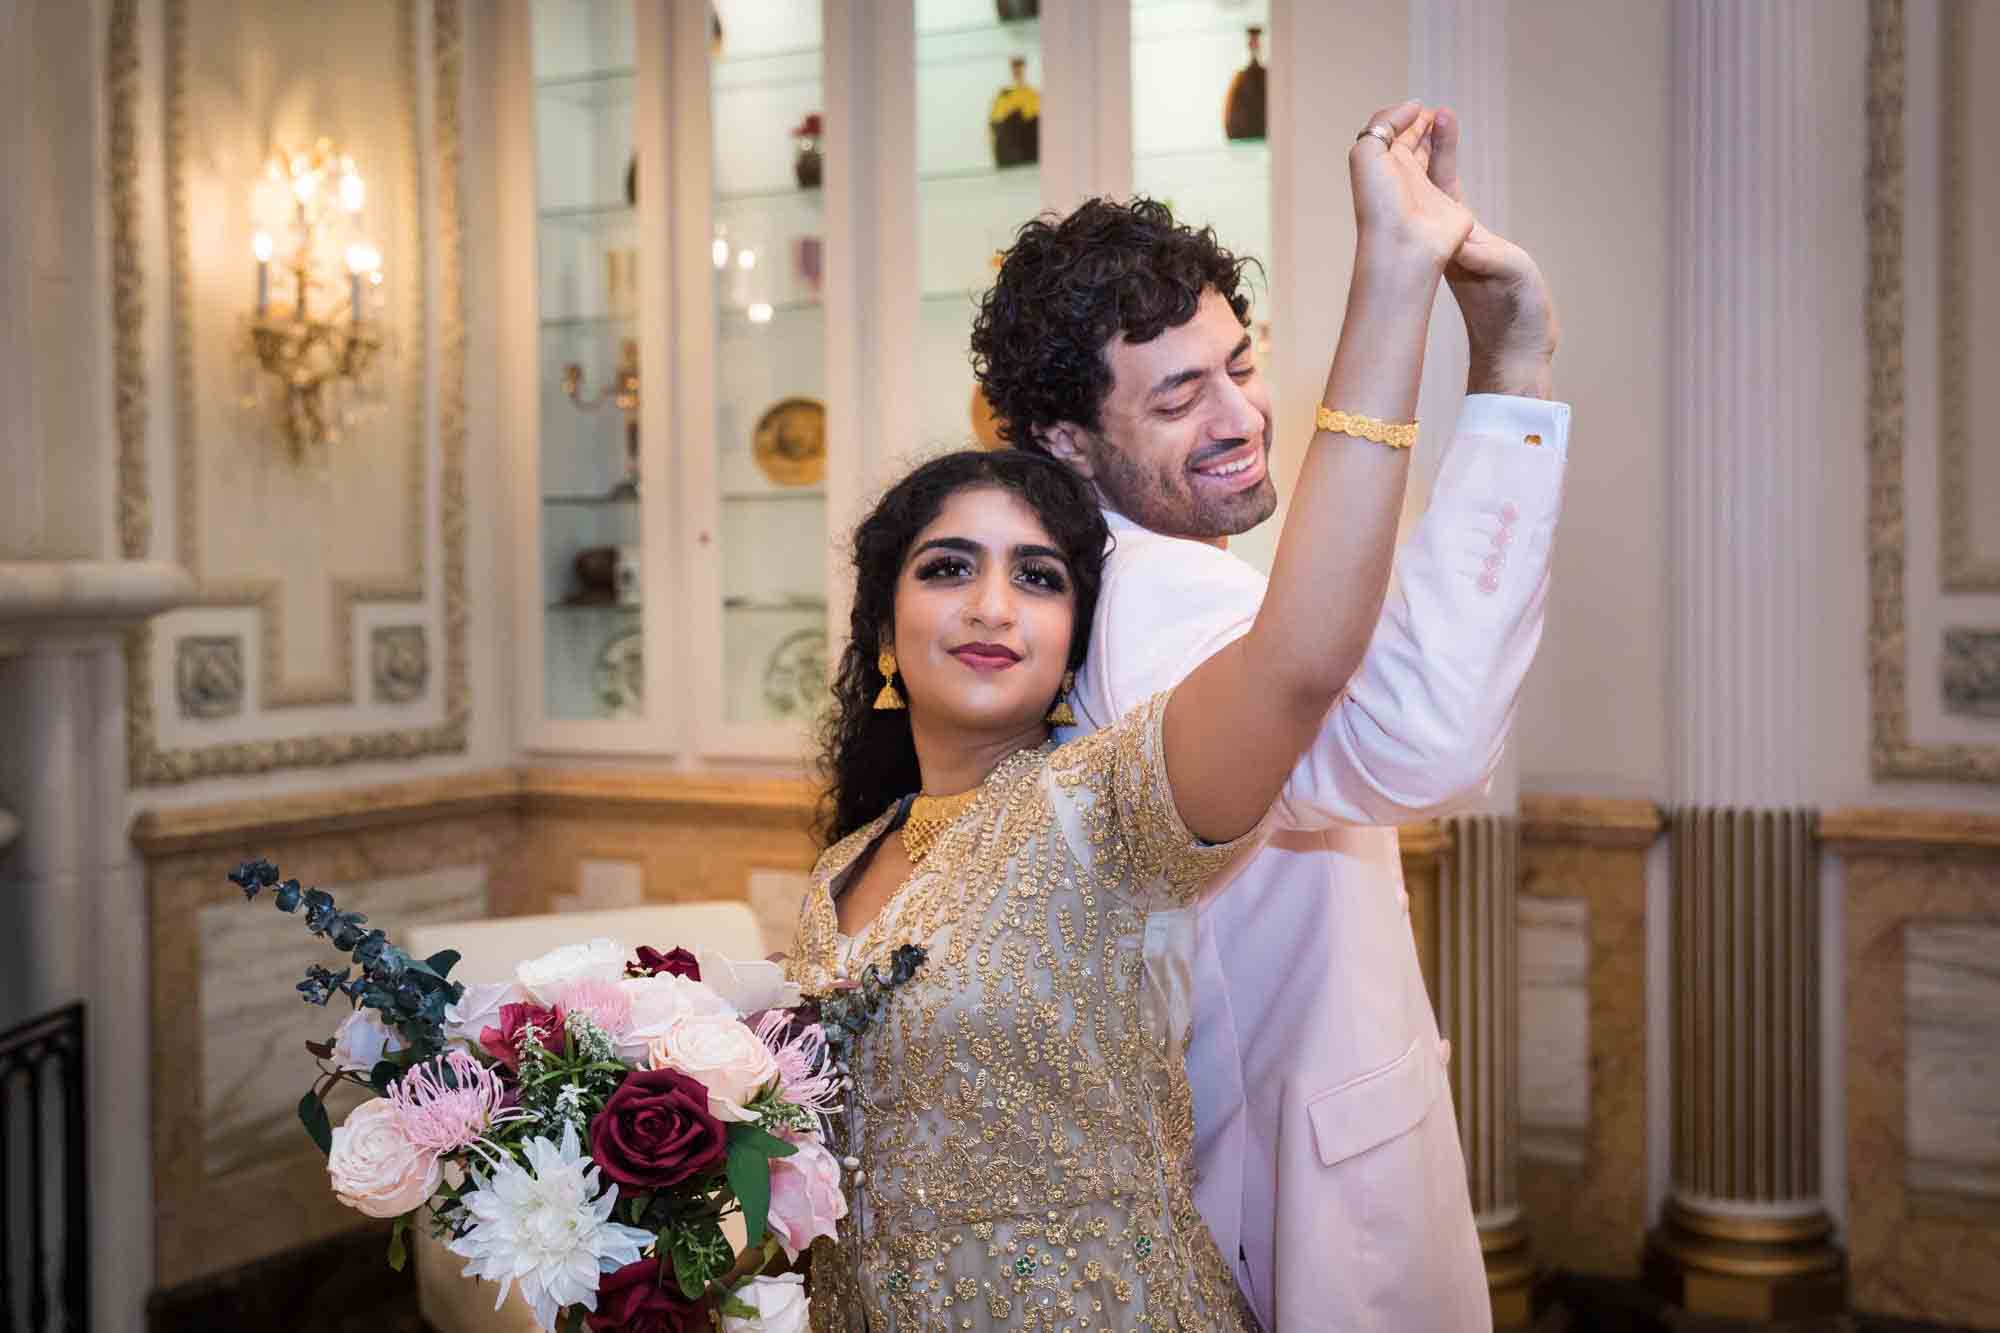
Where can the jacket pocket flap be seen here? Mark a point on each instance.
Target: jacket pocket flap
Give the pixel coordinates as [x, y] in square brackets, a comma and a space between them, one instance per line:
[1376, 1107]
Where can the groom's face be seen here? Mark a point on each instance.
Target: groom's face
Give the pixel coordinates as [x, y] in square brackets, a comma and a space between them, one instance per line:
[1186, 430]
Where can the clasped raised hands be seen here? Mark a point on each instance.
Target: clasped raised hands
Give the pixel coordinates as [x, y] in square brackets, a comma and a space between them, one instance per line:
[1404, 221]
[1413, 224]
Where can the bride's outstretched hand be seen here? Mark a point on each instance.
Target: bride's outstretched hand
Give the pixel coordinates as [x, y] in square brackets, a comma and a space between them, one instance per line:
[1510, 317]
[1403, 220]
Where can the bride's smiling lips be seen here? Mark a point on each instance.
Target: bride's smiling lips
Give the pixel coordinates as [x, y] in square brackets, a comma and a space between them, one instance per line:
[986, 656]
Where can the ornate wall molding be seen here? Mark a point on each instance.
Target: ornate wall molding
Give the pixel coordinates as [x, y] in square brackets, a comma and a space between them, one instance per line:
[277, 690]
[1961, 568]
[128, 294]
[149, 763]
[1893, 754]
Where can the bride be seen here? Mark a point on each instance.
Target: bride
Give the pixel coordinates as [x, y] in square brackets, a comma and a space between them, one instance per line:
[1021, 1114]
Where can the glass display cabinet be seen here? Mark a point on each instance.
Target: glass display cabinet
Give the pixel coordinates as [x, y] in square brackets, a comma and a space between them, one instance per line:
[676, 398]
[978, 106]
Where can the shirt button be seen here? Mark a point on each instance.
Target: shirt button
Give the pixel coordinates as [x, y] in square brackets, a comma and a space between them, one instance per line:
[1494, 562]
[1489, 584]
[1503, 539]
[1508, 513]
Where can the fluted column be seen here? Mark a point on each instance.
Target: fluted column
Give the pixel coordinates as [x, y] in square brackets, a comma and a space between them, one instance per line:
[1745, 1230]
[1458, 58]
[1478, 966]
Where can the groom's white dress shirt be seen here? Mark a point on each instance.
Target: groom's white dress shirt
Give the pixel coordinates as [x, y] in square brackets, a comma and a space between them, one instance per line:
[1326, 1144]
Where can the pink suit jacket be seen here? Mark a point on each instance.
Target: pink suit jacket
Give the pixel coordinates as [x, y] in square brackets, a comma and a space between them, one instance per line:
[1327, 1149]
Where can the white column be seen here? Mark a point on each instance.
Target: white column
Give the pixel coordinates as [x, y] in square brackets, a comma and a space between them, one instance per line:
[873, 284]
[1458, 58]
[79, 926]
[1745, 1231]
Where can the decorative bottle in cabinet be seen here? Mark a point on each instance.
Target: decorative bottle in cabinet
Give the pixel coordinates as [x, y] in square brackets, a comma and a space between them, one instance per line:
[1243, 112]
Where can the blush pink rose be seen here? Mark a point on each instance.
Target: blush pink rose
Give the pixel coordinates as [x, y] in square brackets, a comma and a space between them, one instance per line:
[728, 1059]
[806, 1200]
[375, 1168]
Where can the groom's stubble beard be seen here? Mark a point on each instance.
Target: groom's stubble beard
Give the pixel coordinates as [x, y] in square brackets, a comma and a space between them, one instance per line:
[1166, 498]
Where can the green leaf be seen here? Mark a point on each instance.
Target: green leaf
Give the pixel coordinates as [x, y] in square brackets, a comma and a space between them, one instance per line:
[737, 1307]
[689, 1270]
[749, 1172]
[399, 1254]
[442, 962]
[383, 1074]
[312, 1114]
[754, 1138]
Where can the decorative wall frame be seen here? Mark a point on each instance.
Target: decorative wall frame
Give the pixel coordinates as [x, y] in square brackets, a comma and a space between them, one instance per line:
[1892, 753]
[442, 384]
[1962, 567]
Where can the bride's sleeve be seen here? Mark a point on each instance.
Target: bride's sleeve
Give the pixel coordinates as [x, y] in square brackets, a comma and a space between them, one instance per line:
[1126, 823]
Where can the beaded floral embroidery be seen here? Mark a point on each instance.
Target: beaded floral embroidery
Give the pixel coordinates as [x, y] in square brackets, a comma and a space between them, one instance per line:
[1024, 1128]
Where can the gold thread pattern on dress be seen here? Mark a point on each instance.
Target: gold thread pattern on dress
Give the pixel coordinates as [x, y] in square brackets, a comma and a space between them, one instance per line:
[1024, 1125]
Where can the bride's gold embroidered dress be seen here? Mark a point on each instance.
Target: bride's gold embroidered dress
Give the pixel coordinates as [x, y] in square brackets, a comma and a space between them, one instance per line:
[1023, 1123]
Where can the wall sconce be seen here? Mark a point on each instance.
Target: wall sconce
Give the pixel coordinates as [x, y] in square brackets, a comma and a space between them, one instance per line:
[319, 347]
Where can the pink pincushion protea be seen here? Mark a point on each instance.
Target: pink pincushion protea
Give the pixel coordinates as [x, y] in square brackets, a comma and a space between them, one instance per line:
[443, 1116]
[806, 1077]
[604, 1003]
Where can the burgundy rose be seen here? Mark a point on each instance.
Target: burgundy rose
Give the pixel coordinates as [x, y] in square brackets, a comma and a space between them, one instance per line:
[504, 1042]
[679, 963]
[656, 1131]
[644, 1298]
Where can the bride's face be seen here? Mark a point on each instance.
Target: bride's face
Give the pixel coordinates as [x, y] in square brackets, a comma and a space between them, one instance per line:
[985, 606]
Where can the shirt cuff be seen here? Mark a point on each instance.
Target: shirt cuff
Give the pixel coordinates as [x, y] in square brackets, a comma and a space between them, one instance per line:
[1533, 422]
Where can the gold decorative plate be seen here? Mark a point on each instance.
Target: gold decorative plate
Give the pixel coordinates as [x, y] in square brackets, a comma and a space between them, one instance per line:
[789, 443]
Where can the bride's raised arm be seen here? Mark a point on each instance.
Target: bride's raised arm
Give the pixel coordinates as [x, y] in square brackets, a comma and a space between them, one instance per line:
[1234, 727]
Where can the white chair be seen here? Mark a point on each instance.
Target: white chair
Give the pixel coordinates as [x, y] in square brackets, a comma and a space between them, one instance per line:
[488, 951]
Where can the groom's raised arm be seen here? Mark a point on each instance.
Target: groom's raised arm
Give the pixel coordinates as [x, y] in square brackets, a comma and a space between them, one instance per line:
[1423, 722]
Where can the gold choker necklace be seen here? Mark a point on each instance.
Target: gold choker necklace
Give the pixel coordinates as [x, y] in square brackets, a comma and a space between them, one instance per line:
[929, 817]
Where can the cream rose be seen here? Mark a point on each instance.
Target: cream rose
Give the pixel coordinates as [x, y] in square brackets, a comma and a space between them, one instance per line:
[780, 1303]
[725, 1056]
[363, 1041]
[806, 1200]
[375, 1168]
[660, 1002]
[599, 960]
[479, 1009]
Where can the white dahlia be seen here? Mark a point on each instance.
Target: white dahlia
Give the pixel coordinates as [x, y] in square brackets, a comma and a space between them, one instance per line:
[547, 1229]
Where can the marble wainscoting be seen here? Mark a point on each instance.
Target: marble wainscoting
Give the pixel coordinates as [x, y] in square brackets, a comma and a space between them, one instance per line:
[1922, 934]
[227, 1034]
[615, 839]
[227, 1031]
[1582, 912]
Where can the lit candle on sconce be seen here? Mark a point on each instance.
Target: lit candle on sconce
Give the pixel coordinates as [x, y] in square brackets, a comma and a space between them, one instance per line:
[260, 245]
[363, 260]
[353, 191]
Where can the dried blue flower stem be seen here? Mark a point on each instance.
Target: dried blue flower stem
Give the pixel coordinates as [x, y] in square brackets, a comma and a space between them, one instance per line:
[411, 995]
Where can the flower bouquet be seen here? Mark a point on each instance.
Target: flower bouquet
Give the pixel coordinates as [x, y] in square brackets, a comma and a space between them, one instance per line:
[584, 1131]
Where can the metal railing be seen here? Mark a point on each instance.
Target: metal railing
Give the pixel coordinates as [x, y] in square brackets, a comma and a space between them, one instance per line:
[44, 1240]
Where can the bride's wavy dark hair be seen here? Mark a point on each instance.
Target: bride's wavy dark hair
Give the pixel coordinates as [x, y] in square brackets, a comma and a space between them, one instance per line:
[867, 758]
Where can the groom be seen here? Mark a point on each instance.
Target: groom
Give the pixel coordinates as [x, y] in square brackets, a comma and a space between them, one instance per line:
[1328, 1153]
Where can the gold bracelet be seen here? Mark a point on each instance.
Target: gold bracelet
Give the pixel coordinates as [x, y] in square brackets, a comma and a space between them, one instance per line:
[1397, 435]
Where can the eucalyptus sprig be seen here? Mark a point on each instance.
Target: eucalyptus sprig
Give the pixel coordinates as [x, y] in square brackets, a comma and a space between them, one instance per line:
[410, 994]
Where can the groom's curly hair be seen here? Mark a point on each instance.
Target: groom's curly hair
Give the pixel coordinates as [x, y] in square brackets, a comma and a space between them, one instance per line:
[1068, 286]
